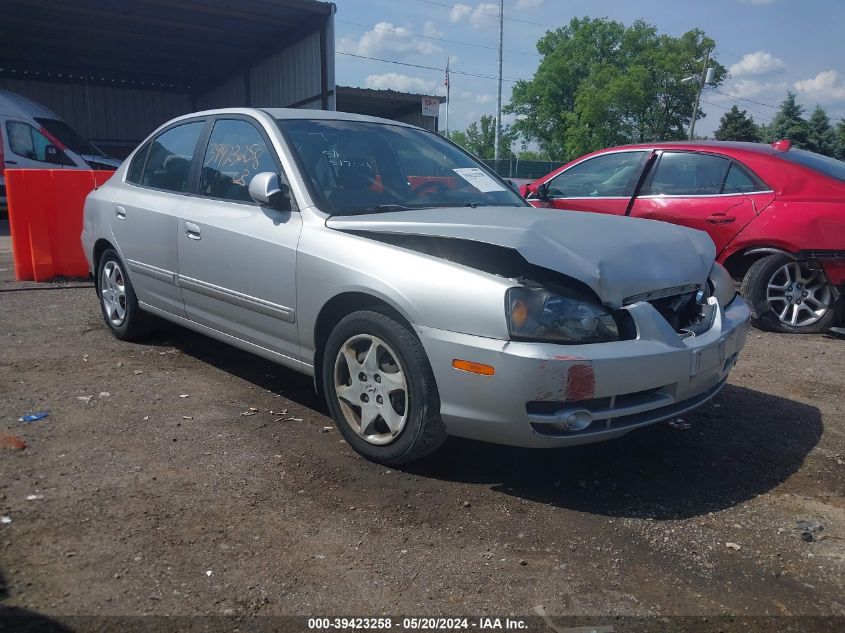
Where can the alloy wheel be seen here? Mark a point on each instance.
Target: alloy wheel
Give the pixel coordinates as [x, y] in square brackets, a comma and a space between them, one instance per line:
[797, 295]
[113, 293]
[371, 388]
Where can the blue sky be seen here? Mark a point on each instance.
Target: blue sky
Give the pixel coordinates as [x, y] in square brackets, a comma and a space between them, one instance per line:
[769, 46]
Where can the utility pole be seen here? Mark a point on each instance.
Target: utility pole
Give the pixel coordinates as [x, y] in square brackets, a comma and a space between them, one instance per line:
[499, 88]
[701, 79]
[447, 96]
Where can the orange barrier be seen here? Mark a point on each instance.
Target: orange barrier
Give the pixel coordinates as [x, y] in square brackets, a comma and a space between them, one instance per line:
[45, 220]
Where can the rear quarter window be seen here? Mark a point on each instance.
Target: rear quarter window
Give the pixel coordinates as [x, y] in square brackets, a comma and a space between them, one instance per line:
[822, 164]
[136, 167]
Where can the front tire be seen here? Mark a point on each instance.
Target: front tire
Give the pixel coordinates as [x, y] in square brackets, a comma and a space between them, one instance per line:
[118, 302]
[381, 390]
[785, 295]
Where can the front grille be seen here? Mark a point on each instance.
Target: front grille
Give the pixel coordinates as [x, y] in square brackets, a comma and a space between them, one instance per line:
[689, 313]
[615, 413]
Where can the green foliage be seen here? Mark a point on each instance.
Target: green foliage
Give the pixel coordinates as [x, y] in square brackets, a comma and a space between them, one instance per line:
[840, 134]
[530, 154]
[736, 125]
[480, 138]
[601, 84]
[821, 137]
[789, 123]
[815, 134]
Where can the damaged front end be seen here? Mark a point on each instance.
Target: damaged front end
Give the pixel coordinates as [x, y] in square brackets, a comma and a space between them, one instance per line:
[549, 306]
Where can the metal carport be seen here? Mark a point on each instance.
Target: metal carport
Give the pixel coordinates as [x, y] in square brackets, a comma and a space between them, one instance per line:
[117, 69]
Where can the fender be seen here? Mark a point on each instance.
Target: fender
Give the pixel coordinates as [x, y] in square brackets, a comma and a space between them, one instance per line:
[770, 251]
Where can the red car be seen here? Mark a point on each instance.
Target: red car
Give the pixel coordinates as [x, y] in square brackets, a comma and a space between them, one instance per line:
[776, 214]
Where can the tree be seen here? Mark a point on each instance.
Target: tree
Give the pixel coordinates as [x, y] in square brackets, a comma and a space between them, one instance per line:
[480, 138]
[600, 84]
[821, 137]
[789, 123]
[840, 133]
[736, 125]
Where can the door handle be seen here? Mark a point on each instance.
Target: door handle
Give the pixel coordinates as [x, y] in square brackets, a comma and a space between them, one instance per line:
[192, 231]
[720, 218]
[11, 162]
[120, 213]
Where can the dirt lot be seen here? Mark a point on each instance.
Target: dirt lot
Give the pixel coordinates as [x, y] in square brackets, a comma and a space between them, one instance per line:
[156, 494]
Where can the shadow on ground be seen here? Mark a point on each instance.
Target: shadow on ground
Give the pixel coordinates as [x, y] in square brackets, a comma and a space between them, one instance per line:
[746, 446]
[19, 620]
[246, 366]
[742, 446]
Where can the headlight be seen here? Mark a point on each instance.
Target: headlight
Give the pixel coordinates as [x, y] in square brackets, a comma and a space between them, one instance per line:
[541, 315]
[722, 284]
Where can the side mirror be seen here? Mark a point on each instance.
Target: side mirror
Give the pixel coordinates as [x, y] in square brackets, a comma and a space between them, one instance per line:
[542, 191]
[51, 155]
[266, 189]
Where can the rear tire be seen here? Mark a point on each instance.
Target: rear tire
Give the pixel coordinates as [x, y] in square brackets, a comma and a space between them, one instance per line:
[786, 296]
[388, 409]
[118, 302]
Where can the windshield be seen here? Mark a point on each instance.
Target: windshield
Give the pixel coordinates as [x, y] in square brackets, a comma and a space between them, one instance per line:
[828, 166]
[360, 167]
[69, 137]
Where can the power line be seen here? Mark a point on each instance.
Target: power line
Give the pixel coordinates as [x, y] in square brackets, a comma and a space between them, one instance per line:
[453, 72]
[768, 105]
[479, 12]
[377, 27]
[768, 118]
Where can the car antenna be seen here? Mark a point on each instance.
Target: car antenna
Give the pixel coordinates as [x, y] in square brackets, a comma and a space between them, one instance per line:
[90, 124]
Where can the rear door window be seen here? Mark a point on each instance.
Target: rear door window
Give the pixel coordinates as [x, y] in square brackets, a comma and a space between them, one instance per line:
[236, 153]
[606, 176]
[168, 164]
[687, 174]
[741, 181]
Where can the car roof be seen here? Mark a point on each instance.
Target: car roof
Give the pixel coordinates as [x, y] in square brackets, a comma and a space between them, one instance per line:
[296, 113]
[727, 147]
[14, 104]
[327, 115]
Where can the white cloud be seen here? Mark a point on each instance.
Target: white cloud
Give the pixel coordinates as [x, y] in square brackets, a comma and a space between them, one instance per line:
[749, 88]
[759, 63]
[484, 98]
[827, 86]
[528, 4]
[431, 30]
[384, 37]
[484, 15]
[403, 83]
[757, 2]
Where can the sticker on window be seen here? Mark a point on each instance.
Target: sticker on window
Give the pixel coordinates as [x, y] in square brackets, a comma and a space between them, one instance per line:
[478, 179]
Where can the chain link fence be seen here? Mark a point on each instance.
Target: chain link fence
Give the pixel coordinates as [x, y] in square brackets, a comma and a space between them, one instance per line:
[515, 168]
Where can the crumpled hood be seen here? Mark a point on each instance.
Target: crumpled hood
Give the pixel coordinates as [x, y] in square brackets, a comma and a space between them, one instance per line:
[618, 257]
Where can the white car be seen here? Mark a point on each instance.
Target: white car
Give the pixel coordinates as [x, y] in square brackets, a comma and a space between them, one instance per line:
[34, 137]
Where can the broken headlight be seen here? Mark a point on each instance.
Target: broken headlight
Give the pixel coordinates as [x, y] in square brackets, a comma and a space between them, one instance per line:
[722, 284]
[537, 314]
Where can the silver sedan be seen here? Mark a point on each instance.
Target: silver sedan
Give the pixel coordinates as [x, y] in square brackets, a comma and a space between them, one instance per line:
[424, 296]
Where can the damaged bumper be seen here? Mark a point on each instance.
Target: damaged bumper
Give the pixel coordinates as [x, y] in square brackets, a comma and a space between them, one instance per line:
[547, 395]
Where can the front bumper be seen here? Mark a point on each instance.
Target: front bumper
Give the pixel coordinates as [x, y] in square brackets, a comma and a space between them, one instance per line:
[542, 394]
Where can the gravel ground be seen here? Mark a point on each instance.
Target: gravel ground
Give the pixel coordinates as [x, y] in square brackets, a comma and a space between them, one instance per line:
[178, 476]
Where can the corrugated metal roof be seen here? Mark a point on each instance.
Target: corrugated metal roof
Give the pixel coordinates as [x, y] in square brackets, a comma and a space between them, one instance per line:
[157, 44]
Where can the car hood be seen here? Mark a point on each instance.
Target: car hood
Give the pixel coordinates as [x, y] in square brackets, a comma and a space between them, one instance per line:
[618, 257]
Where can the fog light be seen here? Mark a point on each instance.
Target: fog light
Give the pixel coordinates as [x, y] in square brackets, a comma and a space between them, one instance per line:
[577, 420]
